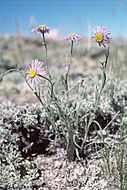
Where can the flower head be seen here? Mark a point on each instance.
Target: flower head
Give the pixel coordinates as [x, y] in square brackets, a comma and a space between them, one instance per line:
[36, 70]
[41, 28]
[72, 37]
[101, 35]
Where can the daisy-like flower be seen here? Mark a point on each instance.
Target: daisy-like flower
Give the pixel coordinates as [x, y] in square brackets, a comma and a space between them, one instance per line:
[36, 70]
[72, 37]
[101, 35]
[41, 28]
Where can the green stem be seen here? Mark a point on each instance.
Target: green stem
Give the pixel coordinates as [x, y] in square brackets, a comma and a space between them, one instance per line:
[52, 86]
[69, 65]
[87, 130]
[46, 54]
[70, 146]
[72, 43]
[35, 92]
[97, 99]
[11, 70]
[103, 68]
[107, 56]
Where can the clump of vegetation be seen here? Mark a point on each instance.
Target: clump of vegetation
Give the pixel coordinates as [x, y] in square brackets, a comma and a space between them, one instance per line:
[68, 118]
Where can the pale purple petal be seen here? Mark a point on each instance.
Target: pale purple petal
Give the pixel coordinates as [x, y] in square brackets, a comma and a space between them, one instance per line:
[40, 70]
[38, 29]
[72, 38]
[105, 32]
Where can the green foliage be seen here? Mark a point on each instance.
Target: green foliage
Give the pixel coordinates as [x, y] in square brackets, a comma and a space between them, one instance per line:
[15, 172]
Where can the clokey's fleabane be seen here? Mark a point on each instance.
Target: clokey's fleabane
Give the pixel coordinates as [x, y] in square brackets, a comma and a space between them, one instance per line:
[41, 28]
[101, 35]
[35, 72]
[72, 37]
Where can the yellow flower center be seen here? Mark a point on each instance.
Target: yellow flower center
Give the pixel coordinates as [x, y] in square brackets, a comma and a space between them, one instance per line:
[99, 37]
[42, 27]
[33, 73]
[71, 35]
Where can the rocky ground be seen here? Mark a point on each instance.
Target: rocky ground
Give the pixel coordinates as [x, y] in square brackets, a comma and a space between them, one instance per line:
[57, 173]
